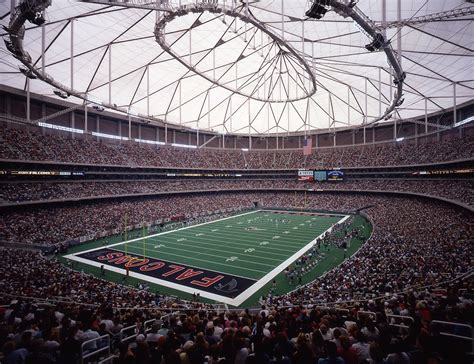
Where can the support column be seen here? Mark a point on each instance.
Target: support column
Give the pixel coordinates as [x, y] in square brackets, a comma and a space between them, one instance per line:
[148, 90]
[416, 134]
[426, 116]
[455, 111]
[366, 101]
[28, 99]
[129, 126]
[73, 123]
[72, 54]
[380, 91]
[110, 74]
[348, 105]
[166, 133]
[85, 118]
[43, 48]
[97, 126]
[9, 105]
[399, 31]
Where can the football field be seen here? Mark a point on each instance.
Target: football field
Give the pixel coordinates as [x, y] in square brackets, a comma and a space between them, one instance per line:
[226, 260]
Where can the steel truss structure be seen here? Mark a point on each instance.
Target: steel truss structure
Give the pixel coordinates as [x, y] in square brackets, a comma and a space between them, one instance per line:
[241, 67]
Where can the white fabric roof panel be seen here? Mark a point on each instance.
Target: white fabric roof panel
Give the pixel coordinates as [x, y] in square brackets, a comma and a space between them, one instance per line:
[119, 43]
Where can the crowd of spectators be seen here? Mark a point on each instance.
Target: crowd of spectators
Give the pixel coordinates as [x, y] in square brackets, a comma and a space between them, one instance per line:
[71, 222]
[21, 145]
[457, 190]
[415, 244]
[413, 264]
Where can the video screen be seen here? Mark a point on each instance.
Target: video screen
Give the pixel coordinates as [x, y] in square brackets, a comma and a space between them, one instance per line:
[336, 175]
[320, 176]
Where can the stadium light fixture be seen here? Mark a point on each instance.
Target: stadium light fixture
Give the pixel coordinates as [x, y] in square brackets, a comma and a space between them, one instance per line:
[376, 44]
[108, 136]
[61, 94]
[318, 9]
[59, 127]
[184, 146]
[98, 108]
[245, 149]
[401, 139]
[149, 141]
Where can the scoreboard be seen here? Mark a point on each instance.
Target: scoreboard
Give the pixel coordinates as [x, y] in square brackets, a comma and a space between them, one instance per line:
[335, 175]
[331, 175]
[305, 175]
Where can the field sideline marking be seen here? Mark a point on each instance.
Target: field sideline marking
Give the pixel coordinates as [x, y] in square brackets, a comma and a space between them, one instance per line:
[235, 301]
[269, 276]
[162, 233]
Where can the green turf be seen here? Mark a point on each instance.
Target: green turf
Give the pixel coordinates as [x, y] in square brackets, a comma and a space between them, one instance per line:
[213, 250]
[228, 246]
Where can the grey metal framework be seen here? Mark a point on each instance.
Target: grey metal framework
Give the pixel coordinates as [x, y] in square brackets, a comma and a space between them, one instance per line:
[241, 67]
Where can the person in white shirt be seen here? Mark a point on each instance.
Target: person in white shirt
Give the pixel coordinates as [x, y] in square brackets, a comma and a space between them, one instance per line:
[89, 334]
[153, 335]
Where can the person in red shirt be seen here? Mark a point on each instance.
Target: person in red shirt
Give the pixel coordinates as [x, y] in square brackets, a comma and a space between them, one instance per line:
[346, 351]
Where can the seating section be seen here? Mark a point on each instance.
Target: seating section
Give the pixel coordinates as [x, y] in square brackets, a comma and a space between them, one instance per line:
[407, 273]
[457, 190]
[21, 145]
[382, 305]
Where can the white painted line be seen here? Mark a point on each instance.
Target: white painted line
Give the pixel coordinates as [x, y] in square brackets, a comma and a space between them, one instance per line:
[165, 232]
[178, 287]
[269, 276]
[235, 301]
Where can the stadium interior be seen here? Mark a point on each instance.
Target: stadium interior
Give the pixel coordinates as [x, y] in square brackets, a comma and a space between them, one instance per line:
[236, 182]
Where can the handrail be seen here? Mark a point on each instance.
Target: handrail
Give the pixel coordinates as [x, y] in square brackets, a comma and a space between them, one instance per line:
[453, 325]
[403, 319]
[98, 350]
[371, 314]
[136, 332]
[123, 339]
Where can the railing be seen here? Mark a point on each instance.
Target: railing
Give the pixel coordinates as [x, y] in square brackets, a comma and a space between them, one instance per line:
[85, 354]
[370, 314]
[391, 319]
[135, 330]
[438, 327]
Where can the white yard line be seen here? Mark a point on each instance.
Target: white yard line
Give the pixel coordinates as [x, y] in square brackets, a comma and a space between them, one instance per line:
[203, 260]
[269, 276]
[235, 301]
[250, 245]
[212, 244]
[163, 233]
